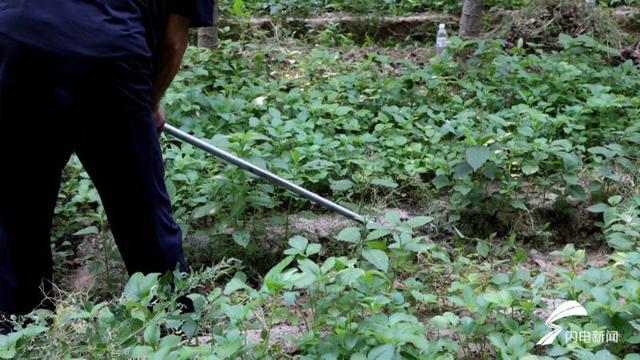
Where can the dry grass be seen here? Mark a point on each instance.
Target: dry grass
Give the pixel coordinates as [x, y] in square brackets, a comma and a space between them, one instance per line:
[542, 21]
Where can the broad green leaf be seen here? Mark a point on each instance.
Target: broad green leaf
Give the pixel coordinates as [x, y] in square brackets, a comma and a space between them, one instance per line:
[303, 280]
[313, 249]
[482, 248]
[440, 322]
[516, 344]
[393, 217]
[309, 266]
[328, 265]
[614, 200]
[443, 321]
[500, 278]
[290, 297]
[604, 355]
[502, 298]
[152, 335]
[33, 331]
[530, 168]
[570, 160]
[419, 221]
[382, 352]
[399, 140]
[341, 185]
[169, 342]
[462, 169]
[441, 255]
[206, 210]
[139, 286]
[275, 113]
[241, 237]
[600, 295]
[518, 204]
[236, 9]
[189, 327]
[8, 353]
[498, 342]
[476, 156]
[388, 183]
[620, 241]
[279, 268]
[90, 230]
[349, 276]
[198, 300]
[343, 110]
[526, 131]
[377, 258]
[141, 352]
[463, 189]
[172, 190]
[598, 208]
[571, 179]
[298, 242]
[440, 182]
[599, 150]
[350, 235]
[234, 285]
[377, 234]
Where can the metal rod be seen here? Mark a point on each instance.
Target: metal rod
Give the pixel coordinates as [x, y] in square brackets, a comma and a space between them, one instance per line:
[219, 153]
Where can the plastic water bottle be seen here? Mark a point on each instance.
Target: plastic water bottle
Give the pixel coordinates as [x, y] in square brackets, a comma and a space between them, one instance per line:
[590, 2]
[441, 39]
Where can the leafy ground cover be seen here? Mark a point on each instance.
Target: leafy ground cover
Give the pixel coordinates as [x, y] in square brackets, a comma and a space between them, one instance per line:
[396, 296]
[513, 146]
[509, 132]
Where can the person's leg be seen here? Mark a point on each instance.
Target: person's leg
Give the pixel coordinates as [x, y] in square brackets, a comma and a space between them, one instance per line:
[119, 147]
[34, 147]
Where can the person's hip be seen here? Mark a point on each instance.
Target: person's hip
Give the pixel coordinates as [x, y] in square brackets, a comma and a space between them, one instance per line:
[121, 82]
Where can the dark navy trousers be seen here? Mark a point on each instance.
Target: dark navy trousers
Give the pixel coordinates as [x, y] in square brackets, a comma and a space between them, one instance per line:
[52, 106]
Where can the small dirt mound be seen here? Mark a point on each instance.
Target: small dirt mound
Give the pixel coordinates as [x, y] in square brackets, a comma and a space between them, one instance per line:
[542, 21]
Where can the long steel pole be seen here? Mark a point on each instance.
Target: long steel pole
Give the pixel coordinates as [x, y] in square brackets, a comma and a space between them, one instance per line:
[219, 153]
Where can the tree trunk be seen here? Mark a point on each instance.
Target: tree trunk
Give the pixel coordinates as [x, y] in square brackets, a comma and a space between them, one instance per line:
[471, 19]
[208, 36]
